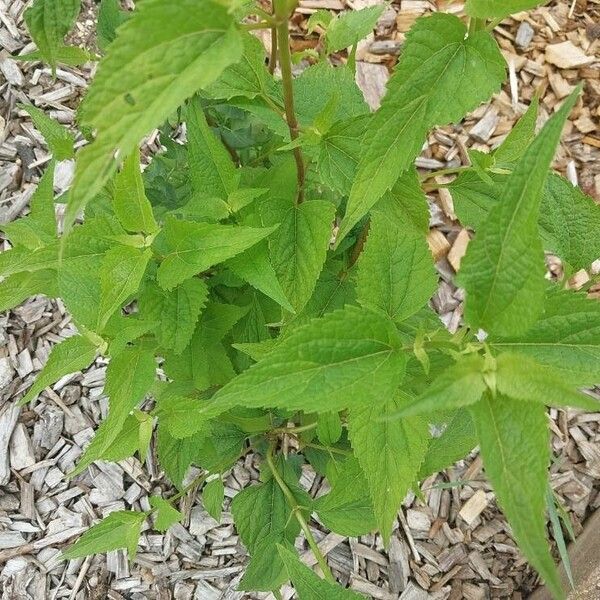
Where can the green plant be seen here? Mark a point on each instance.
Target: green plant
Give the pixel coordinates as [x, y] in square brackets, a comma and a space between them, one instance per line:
[271, 324]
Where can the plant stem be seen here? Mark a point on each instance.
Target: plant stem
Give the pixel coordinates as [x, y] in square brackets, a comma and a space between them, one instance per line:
[299, 429]
[441, 172]
[285, 63]
[195, 483]
[273, 56]
[299, 516]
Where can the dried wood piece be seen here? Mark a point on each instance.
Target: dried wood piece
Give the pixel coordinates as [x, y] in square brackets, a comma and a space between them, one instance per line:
[567, 56]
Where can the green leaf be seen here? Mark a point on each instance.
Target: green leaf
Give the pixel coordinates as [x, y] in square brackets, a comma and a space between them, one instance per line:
[310, 586]
[110, 16]
[570, 222]
[48, 22]
[340, 152]
[352, 26]
[329, 428]
[522, 378]
[66, 55]
[499, 8]
[38, 229]
[390, 453]
[59, 139]
[72, 355]
[20, 286]
[519, 137]
[213, 495]
[459, 385]
[136, 89]
[347, 509]
[516, 454]
[395, 270]
[129, 377]
[263, 518]
[195, 247]
[568, 218]
[503, 270]
[565, 339]
[248, 78]
[121, 273]
[130, 204]
[124, 445]
[456, 441]
[176, 311]
[428, 88]
[166, 514]
[120, 529]
[212, 172]
[176, 413]
[299, 247]
[405, 205]
[254, 266]
[347, 358]
[176, 455]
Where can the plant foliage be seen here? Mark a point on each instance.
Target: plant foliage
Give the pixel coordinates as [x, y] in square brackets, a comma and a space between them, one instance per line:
[270, 322]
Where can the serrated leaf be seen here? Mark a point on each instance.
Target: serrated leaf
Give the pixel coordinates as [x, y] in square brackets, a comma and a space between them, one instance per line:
[121, 273]
[248, 78]
[263, 519]
[503, 270]
[390, 453]
[213, 495]
[428, 88]
[176, 311]
[123, 445]
[565, 339]
[519, 137]
[59, 139]
[308, 585]
[48, 22]
[72, 355]
[344, 359]
[166, 514]
[129, 377]
[130, 204]
[212, 172]
[405, 204]
[66, 55]
[567, 221]
[516, 454]
[254, 266]
[352, 26]
[329, 428]
[570, 222]
[459, 385]
[133, 73]
[20, 286]
[194, 247]
[340, 152]
[347, 509]
[395, 271]
[176, 455]
[299, 247]
[499, 8]
[110, 16]
[120, 529]
[456, 441]
[176, 413]
[522, 378]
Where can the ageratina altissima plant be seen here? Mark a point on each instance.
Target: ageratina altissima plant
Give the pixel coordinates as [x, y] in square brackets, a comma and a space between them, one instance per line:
[269, 322]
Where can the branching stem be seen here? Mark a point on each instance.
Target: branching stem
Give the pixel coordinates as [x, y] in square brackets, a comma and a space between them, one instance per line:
[297, 512]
